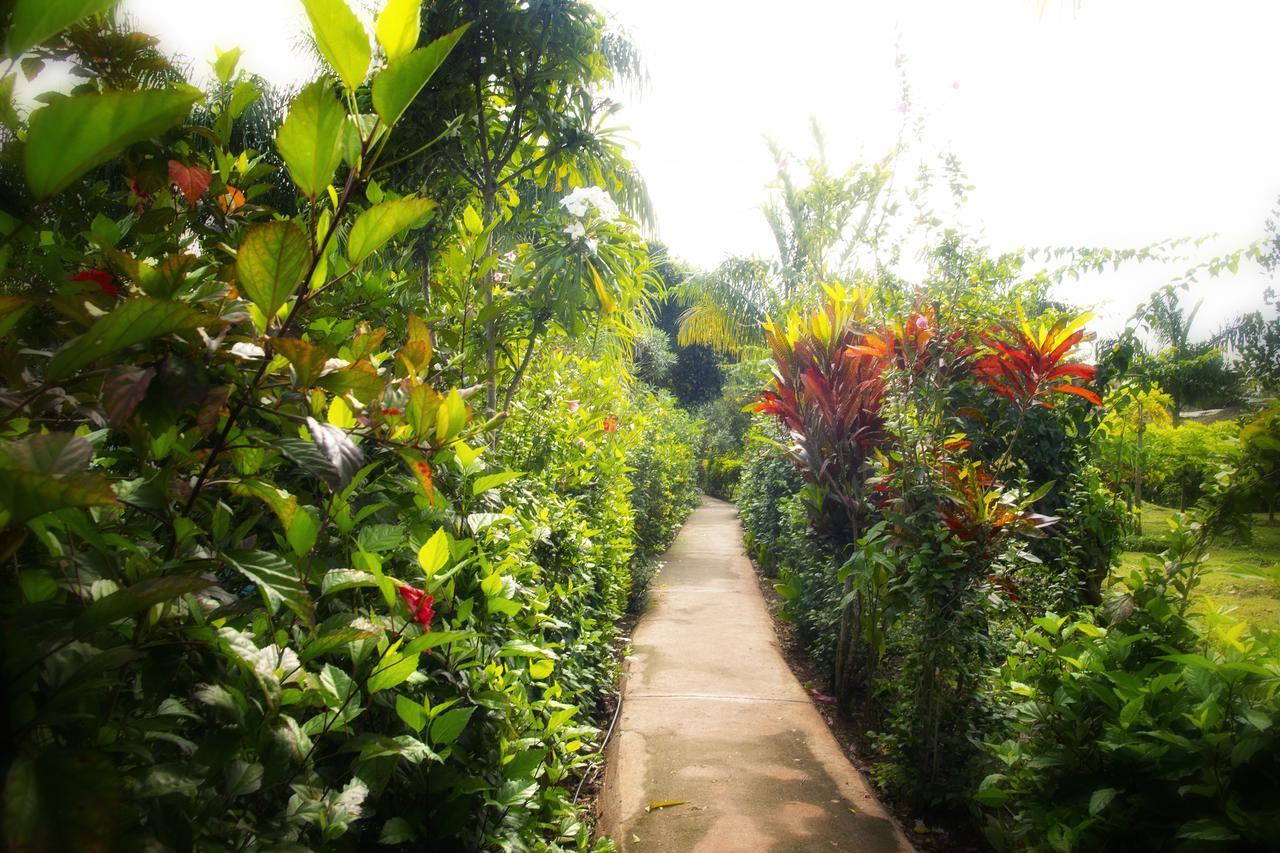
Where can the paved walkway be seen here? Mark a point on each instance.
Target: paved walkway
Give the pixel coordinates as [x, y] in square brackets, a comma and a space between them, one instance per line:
[713, 716]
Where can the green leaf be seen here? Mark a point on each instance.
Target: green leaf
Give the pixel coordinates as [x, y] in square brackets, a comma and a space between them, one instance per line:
[242, 777]
[491, 481]
[375, 226]
[491, 585]
[471, 220]
[392, 669]
[434, 553]
[277, 580]
[399, 26]
[540, 669]
[36, 585]
[446, 728]
[411, 712]
[139, 319]
[225, 64]
[36, 20]
[400, 82]
[72, 135]
[335, 685]
[271, 263]
[397, 830]
[1100, 799]
[24, 495]
[136, 598]
[342, 39]
[310, 138]
[336, 580]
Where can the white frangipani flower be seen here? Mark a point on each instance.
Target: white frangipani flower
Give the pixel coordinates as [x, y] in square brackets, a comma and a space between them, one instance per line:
[243, 350]
[583, 198]
[576, 231]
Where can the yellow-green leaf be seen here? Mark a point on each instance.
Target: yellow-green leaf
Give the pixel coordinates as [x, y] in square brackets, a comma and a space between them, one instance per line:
[342, 39]
[72, 135]
[378, 224]
[400, 82]
[399, 26]
[310, 138]
[271, 263]
[607, 305]
[434, 553]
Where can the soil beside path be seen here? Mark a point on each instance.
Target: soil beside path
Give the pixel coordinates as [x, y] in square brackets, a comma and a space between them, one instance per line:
[712, 716]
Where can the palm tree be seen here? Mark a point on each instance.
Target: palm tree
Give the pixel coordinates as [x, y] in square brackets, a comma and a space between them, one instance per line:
[827, 229]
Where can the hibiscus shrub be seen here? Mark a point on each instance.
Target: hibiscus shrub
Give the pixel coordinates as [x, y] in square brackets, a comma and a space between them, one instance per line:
[267, 585]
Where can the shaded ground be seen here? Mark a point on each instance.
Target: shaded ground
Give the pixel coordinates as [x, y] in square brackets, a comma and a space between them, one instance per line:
[1256, 600]
[718, 747]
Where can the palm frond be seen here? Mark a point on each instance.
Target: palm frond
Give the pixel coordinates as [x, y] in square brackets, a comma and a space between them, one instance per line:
[726, 308]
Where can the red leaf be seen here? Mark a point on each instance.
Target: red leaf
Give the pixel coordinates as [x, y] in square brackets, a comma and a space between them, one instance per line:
[1079, 392]
[191, 180]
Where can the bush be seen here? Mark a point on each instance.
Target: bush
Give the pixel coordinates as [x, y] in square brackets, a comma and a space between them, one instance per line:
[1133, 728]
[271, 586]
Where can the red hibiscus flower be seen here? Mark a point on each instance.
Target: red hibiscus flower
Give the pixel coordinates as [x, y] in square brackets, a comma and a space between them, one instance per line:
[420, 605]
[609, 424]
[106, 281]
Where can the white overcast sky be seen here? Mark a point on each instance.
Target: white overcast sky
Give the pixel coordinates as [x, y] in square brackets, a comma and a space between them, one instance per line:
[1102, 122]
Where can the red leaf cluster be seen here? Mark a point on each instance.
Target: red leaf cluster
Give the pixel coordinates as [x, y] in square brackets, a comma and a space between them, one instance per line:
[1024, 365]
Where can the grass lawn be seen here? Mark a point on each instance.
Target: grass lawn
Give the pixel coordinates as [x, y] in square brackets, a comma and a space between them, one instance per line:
[1256, 601]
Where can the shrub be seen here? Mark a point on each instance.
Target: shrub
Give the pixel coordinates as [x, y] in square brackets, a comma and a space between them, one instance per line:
[1135, 728]
[271, 585]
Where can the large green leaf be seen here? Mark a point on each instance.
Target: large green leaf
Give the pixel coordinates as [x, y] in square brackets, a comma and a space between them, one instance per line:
[25, 495]
[400, 82]
[398, 27]
[310, 138]
[139, 319]
[392, 670]
[72, 135]
[271, 262]
[277, 580]
[135, 598]
[342, 39]
[446, 728]
[36, 20]
[378, 224]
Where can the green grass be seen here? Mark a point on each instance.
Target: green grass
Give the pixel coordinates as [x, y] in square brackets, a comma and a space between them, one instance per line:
[1255, 601]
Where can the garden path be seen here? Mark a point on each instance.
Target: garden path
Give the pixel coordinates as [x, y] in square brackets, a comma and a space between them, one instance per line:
[713, 718]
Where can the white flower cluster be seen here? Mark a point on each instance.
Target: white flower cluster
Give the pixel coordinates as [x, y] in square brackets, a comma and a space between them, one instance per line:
[578, 203]
[583, 198]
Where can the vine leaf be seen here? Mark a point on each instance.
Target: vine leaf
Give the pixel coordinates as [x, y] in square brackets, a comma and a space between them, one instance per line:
[276, 579]
[400, 82]
[271, 262]
[139, 319]
[72, 135]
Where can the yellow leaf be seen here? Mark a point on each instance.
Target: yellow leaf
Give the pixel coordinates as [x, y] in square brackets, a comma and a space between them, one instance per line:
[607, 305]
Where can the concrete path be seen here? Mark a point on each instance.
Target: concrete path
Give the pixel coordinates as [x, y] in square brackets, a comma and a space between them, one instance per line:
[713, 716]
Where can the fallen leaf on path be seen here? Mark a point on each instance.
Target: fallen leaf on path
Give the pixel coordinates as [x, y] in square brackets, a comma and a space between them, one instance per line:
[665, 804]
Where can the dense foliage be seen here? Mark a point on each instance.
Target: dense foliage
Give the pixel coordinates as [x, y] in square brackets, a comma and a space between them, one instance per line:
[277, 574]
